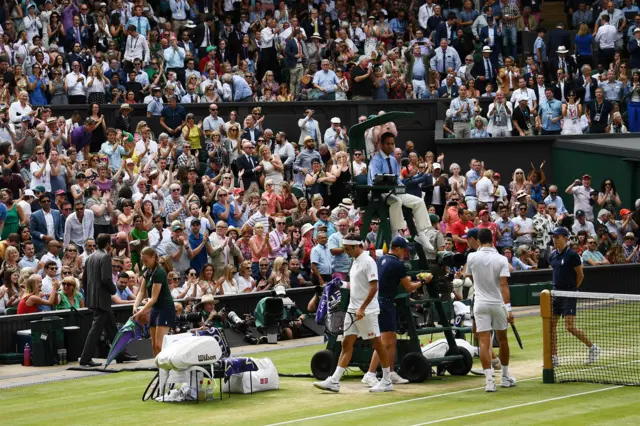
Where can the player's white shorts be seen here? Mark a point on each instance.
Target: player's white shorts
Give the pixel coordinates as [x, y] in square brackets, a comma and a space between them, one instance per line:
[490, 317]
[366, 328]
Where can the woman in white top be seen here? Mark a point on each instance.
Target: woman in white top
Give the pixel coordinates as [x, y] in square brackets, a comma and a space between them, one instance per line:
[272, 167]
[485, 189]
[571, 111]
[457, 181]
[20, 108]
[280, 273]
[95, 85]
[246, 283]
[226, 283]
[41, 170]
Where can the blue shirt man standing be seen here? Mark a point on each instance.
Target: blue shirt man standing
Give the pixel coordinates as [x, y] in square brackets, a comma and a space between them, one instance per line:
[549, 114]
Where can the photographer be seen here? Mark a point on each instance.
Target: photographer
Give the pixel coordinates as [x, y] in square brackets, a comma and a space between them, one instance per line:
[289, 322]
[209, 317]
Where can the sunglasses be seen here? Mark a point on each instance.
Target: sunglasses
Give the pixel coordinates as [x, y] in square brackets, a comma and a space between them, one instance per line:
[53, 268]
[523, 210]
[72, 250]
[68, 285]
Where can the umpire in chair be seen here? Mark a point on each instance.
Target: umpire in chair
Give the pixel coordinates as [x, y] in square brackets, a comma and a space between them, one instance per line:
[384, 162]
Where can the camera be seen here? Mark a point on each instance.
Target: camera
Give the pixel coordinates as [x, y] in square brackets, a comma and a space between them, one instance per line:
[236, 322]
[185, 322]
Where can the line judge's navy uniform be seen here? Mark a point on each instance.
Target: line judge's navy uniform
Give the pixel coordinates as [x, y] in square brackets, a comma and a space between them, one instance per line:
[390, 271]
[564, 279]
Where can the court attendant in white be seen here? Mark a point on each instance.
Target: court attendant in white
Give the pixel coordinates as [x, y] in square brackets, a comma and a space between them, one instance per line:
[492, 307]
[363, 303]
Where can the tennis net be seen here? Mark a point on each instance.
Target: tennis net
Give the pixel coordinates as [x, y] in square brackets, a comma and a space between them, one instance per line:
[600, 343]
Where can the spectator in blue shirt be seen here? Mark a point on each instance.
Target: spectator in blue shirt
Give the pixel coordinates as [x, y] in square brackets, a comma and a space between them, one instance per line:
[321, 261]
[325, 81]
[506, 229]
[514, 263]
[224, 209]
[199, 247]
[549, 114]
[241, 91]
[112, 149]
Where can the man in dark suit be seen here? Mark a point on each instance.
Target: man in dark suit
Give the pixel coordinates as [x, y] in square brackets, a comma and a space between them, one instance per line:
[484, 70]
[99, 287]
[540, 87]
[123, 120]
[251, 132]
[436, 180]
[558, 37]
[294, 53]
[309, 25]
[446, 29]
[204, 35]
[450, 88]
[249, 164]
[87, 22]
[561, 87]
[492, 30]
[563, 62]
[38, 223]
[585, 85]
[76, 34]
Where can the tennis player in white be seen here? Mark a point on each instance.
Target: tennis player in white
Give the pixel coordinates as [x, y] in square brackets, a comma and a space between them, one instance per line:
[492, 308]
[363, 303]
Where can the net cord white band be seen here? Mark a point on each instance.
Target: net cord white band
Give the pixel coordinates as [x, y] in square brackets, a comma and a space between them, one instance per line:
[596, 296]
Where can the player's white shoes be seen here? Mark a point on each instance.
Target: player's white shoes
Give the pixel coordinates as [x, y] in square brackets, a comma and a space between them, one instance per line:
[507, 382]
[495, 364]
[370, 379]
[594, 353]
[383, 385]
[396, 379]
[554, 361]
[490, 386]
[328, 385]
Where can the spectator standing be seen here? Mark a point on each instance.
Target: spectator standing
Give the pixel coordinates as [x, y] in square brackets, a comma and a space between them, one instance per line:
[500, 113]
[173, 117]
[362, 78]
[572, 113]
[509, 14]
[598, 113]
[582, 196]
[606, 37]
[549, 114]
[521, 117]
[463, 110]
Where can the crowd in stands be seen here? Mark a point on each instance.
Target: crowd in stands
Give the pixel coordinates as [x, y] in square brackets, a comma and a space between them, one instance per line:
[266, 211]
[232, 206]
[217, 51]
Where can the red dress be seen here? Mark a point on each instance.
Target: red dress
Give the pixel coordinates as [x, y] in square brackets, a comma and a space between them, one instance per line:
[23, 308]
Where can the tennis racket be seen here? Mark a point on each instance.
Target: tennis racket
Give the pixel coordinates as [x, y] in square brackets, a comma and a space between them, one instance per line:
[334, 321]
[515, 333]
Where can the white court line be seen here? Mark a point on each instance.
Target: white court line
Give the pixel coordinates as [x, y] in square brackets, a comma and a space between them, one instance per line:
[495, 410]
[389, 404]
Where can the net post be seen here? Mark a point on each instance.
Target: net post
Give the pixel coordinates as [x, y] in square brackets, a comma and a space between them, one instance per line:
[545, 313]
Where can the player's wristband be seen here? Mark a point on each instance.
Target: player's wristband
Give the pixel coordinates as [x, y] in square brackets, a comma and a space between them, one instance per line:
[508, 306]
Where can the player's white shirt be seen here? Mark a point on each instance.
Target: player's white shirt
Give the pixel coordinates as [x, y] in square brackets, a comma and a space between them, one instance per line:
[363, 271]
[487, 266]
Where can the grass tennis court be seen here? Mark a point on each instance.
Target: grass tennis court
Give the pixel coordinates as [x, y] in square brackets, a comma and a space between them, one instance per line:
[115, 398]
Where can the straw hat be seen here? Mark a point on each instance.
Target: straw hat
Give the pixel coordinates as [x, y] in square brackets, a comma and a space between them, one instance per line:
[207, 298]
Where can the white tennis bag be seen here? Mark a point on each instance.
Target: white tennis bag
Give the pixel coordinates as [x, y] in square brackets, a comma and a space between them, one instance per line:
[439, 348]
[266, 378]
[189, 351]
[436, 349]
